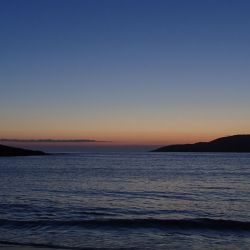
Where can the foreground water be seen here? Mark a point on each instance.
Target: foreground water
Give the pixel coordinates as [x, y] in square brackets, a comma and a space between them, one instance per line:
[126, 200]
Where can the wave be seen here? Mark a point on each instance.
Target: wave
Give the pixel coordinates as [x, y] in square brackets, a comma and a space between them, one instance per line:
[50, 246]
[202, 223]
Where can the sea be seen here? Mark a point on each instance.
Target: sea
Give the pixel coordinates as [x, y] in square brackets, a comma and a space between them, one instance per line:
[126, 198]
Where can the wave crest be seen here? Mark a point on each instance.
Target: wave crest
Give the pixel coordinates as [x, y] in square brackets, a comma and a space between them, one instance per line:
[203, 223]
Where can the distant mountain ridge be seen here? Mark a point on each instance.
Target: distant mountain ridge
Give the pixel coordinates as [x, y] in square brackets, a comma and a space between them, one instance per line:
[13, 151]
[233, 144]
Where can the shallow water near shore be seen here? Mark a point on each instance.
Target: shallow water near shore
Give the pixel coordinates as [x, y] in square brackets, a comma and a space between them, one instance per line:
[126, 200]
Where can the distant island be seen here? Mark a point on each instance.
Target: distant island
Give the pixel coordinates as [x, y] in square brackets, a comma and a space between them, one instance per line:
[233, 144]
[13, 151]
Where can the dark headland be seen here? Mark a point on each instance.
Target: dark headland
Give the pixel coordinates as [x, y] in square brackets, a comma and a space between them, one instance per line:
[233, 144]
[12, 151]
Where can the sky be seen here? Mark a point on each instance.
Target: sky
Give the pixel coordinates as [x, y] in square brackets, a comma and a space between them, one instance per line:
[127, 71]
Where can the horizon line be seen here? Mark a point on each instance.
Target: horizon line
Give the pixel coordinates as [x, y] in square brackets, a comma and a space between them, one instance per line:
[51, 140]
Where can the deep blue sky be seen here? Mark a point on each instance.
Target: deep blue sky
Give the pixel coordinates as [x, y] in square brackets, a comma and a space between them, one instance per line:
[144, 71]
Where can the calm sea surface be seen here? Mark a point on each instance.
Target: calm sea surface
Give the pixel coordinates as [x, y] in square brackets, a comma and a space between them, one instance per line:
[126, 200]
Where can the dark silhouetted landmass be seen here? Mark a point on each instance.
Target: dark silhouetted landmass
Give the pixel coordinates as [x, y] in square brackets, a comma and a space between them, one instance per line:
[12, 151]
[233, 144]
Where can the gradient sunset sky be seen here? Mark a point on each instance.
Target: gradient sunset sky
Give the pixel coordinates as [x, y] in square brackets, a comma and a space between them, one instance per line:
[129, 71]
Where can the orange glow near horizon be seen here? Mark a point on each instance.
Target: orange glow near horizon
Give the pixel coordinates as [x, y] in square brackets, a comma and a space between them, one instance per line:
[147, 127]
[119, 138]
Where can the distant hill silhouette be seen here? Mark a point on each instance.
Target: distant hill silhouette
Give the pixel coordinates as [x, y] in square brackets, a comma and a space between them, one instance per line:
[12, 151]
[235, 143]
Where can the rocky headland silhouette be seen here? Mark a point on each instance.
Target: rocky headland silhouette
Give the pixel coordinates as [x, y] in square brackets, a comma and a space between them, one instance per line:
[13, 151]
[233, 144]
